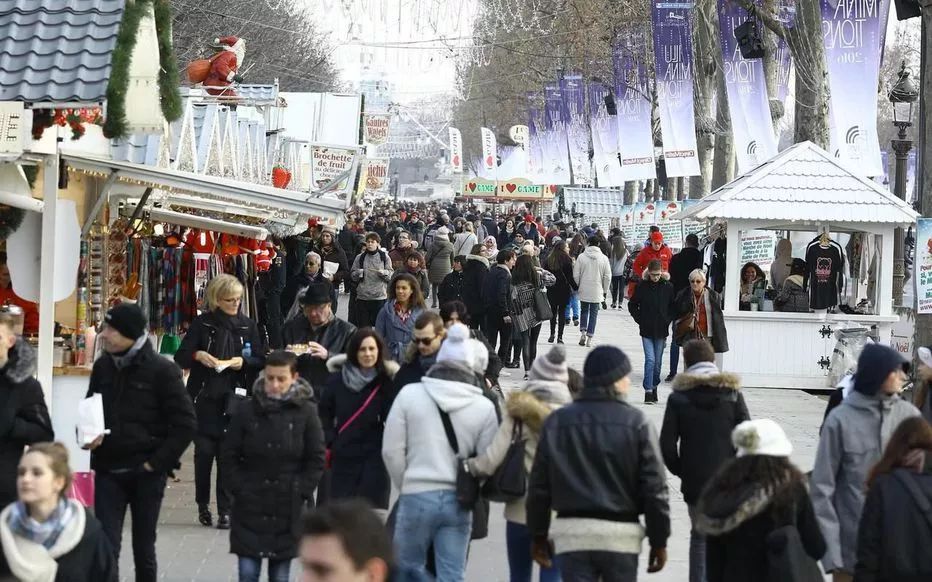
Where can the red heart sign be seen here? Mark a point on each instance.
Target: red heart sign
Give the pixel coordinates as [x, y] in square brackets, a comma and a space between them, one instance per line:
[456, 161]
[471, 186]
[553, 188]
[511, 188]
[488, 161]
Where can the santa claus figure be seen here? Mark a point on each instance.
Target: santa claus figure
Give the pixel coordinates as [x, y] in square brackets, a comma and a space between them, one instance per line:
[224, 67]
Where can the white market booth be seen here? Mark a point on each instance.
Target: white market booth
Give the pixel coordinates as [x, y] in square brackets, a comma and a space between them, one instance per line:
[803, 192]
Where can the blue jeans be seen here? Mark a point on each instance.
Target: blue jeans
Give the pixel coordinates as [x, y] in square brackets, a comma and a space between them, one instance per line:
[433, 516]
[588, 317]
[250, 568]
[653, 358]
[518, 540]
[697, 546]
[573, 306]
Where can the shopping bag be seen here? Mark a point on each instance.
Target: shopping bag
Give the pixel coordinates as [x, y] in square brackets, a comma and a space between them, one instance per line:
[90, 419]
[82, 488]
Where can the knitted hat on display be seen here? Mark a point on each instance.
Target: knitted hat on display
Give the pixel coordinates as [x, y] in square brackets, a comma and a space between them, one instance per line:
[874, 365]
[551, 367]
[761, 437]
[605, 365]
[127, 319]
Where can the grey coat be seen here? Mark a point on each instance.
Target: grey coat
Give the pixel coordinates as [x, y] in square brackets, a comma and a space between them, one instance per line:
[372, 274]
[852, 441]
[439, 260]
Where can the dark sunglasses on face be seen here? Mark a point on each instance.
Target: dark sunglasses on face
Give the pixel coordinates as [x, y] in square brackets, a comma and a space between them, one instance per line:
[424, 341]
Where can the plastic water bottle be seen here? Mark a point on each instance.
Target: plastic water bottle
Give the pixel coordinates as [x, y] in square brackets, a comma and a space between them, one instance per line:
[247, 350]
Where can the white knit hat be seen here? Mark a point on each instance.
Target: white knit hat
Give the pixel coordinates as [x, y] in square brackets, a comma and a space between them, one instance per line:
[761, 437]
[457, 347]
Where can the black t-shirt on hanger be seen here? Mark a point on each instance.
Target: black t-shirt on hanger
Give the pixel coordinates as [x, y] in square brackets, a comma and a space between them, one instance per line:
[825, 264]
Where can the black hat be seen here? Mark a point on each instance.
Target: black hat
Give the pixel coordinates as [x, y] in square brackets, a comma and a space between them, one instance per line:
[797, 266]
[605, 365]
[127, 319]
[874, 365]
[317, 293]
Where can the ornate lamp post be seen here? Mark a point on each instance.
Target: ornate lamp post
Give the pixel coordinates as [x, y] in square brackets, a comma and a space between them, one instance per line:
[903, 95]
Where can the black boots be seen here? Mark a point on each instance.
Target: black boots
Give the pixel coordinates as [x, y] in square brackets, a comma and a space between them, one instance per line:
[204, 517]
[223, 522]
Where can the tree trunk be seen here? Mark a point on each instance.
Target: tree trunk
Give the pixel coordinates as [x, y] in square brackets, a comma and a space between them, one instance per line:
[705, 68]
[631, 192]
[724, 169]
[655, 194]
[681, 189]
[812, 95]
[772, 68]
[923, 327]
[669, 193]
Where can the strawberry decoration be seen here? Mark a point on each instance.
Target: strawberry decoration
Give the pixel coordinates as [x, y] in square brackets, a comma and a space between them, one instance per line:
[281, 176]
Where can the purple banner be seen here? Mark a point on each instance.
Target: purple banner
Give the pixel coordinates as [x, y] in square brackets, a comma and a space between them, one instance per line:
[535, 124]
[853, 31]
[604, 138]
[556, 152]
[746, 87]
[633, 102]
[577, 131]
[674, 70]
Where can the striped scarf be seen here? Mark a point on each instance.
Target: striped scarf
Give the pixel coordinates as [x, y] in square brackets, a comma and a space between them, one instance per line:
[45, 533]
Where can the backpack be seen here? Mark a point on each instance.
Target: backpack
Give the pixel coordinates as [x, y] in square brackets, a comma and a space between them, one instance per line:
[629, 265]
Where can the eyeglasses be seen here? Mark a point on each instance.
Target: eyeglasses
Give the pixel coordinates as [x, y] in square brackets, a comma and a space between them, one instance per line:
[424, 341]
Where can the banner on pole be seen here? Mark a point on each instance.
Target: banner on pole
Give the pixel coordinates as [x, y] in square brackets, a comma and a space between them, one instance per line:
[535, 125]
[376, 128]
[853, 31]
[924, 266]
[604, 130]
[456, 150]
[748, 104]
[376, 175]
[635, 134]
[556, 150]
[489, 152]
[674, 70]
[573, 90]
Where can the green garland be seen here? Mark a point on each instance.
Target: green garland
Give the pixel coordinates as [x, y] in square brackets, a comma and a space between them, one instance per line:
[120, 60]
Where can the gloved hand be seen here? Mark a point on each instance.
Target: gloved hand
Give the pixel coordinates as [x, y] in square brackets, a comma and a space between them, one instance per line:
[657, 560]
[237, 78]
[542, 551]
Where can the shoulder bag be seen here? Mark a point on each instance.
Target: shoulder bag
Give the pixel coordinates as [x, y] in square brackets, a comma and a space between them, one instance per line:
[328, 454]
[787, 560]
[509, 482]
[542, 309]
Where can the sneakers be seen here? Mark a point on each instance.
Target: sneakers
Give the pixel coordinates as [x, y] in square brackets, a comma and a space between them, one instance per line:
[575, 322]
[670, 377]
[204, 517]
[589, 341]
[614, 305]
[559, 340]
[513, 365]
[223, 522]
[582, 339]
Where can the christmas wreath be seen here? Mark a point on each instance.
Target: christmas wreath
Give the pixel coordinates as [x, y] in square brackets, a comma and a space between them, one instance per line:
[10, 220]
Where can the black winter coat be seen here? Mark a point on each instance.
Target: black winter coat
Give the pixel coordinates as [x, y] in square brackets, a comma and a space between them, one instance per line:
[683, 305]
[147, 410]
[682, 264]
[737, 521]
[92, 560]
[411, 372]
[451, 289]
[334, 336]
[356, 453]
[24, 418]
[560, 292]
[496, 291]
[272, 457]
[599, 458]
[335, 254]
[695, 439]
[475, 272]
[651, 306]
[223, 337]
[894, 536]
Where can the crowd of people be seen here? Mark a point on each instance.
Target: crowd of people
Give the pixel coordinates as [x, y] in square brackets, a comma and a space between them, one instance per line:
[300, 439]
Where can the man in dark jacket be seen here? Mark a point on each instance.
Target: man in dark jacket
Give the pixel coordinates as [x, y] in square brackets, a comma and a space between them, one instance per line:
[321, 331]
[428, 335]
[651, 306]
[597, 489]
[24, 418]
[151, 422]
[681, 265]
[496, 291]
[705, 406]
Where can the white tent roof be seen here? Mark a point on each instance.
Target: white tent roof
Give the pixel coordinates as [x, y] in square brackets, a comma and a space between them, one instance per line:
[803, 183]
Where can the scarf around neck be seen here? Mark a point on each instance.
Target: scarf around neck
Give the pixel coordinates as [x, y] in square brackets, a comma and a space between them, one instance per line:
[355, 378]
[123, 360]
[44, 533]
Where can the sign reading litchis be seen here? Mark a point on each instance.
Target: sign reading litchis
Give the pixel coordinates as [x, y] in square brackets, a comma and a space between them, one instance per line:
[924, 266]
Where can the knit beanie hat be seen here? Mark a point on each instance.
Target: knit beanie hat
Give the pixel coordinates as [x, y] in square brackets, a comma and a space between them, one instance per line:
[605, 365]
[457, 347]
[761, 437]
[874, 365]
[127, 319]
[551, 367]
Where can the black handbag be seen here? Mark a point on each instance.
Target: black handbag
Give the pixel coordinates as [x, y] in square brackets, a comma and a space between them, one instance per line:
[509, 482]
[787, 560]
[467, 486]
[542, 307]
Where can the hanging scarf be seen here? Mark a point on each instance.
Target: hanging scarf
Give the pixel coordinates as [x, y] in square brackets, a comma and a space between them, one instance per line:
[45, 533]
[356, 378]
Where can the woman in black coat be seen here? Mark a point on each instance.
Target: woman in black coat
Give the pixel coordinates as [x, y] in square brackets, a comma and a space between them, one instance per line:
[224, 352]
[330, 251]
[561, 265]
[273, 457]
[474, 273]
[712, 321]
[749, 498]
[895, 532]
[353, 410]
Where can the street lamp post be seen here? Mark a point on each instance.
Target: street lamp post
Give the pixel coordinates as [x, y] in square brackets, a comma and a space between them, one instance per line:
[903, 95]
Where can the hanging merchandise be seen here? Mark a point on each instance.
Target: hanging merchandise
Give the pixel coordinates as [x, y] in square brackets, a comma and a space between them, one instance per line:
[825, 276]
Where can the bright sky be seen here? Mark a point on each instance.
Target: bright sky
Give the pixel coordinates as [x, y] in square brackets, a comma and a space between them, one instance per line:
[396, 40]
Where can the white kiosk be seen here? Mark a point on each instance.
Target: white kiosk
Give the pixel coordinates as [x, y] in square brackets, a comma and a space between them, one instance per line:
[801, 189]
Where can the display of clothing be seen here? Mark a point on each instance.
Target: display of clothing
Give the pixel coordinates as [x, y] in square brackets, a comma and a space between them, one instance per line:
[825, 273]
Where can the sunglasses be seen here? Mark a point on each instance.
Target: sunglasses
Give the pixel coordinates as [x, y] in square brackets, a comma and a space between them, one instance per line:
[424, 341]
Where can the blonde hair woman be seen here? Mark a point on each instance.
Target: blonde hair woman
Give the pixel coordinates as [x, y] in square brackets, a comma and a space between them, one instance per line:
[224, 352]
[45, 536]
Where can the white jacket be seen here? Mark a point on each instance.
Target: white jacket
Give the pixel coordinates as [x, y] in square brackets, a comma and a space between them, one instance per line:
[414, 445]
[593, 274]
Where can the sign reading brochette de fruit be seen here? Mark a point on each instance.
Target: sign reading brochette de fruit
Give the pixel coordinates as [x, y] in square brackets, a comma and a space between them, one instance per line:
[507, 189]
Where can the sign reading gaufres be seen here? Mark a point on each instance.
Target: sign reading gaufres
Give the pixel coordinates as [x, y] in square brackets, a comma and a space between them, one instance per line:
[12, 122]
[377, 126]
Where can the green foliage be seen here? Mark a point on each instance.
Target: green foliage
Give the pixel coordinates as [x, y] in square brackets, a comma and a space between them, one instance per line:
[168, 71]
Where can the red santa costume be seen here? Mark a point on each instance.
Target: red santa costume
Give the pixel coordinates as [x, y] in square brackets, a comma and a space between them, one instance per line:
[225, 65]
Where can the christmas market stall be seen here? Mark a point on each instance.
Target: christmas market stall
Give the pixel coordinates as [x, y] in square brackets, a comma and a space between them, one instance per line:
[835, 237]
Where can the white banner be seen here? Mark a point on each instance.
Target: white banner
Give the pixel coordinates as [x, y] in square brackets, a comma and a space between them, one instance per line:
[456, 150]
[489, 151]
[327, 164]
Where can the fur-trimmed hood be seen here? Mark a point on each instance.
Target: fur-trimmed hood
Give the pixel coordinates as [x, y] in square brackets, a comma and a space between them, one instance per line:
[724, 509]
[335, 364]
[22, 362]
[477, 258]
[524, 406]
[723, 380]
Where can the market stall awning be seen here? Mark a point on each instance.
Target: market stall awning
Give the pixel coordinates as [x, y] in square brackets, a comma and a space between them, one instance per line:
[805, 184]
[212, 187]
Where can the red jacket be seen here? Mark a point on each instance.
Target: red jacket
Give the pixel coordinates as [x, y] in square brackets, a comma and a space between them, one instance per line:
[646, 255]
[222, 69]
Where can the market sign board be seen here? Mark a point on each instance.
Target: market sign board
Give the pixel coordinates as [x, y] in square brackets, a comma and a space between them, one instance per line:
[924, 266]
[758, 246]
[327, 163]
[517, 189]
[376, 128]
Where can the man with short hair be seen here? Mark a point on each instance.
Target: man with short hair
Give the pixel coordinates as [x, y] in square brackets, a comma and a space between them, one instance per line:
[651, 306]
[318, 328]
[403, 247]
[429, 333]
[593, 275]
[681, 265]
[372, 270]
[496, 293]
[655, 250]
[704, 408]
[598, 467]
[151, 422]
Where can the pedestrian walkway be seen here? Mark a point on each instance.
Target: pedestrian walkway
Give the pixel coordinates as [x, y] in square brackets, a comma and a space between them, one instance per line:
[189, 552]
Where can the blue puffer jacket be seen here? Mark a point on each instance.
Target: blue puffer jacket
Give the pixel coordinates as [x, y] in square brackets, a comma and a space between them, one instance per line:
[397, 335]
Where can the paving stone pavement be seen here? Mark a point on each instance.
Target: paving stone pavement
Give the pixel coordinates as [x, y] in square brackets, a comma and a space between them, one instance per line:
[190, 552]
